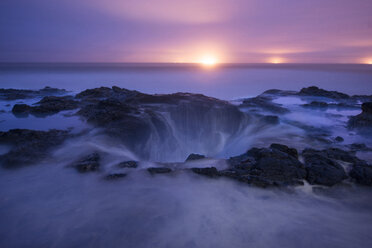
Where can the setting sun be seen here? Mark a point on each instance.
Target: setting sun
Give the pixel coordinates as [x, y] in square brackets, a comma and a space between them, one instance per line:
[208, 61]
[276, 60]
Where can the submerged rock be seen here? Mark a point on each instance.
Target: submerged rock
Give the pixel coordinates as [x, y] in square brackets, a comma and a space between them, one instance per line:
[362, 121]
[47, 106]
[207, 171]
[128, 164]
[194, 156]
[115, 176]
[316, 104]
[264, 103]
[159, 170]
[274, 166]
[14, 94]
[29, 146]
[88, 164]
[322, 168]
[315, 91]
[362, 173]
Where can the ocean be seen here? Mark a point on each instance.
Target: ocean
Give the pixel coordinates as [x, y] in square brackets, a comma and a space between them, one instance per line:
[226, 81]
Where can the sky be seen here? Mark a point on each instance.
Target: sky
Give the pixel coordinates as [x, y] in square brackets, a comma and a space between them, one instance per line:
[228, 31]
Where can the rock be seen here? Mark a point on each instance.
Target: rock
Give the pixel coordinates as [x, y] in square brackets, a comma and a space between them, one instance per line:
[159, 170]
[138, 119]
[270, 119]
[264, 103]
[105, 92]
[315, 91]
[362, 173]
[29, 146]
[274, 166]
[47, 106]
[14, 94]
[194, 156]
[128, 164]
[88, 164]
[364, 119]
[208, 171]
[283, 148]
[115, 176]
[356, 147]
[21, 110]
[54, 104]
[338, 154]
[321, 169]
[367, 108]
[339, 139]
[315, 104]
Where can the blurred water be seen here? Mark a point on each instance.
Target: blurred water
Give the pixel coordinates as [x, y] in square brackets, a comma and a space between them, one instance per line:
[51, 205]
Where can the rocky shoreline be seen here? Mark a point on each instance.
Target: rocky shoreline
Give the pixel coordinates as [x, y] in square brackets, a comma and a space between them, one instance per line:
[133, 118]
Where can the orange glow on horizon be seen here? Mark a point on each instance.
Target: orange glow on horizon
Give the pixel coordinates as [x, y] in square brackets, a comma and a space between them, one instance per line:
[276, 60]
[208, 60]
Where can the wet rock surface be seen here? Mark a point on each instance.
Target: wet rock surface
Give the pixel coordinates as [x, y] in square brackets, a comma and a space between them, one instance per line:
[47, 106]
[128, 164]
[274, 166]
[362, 173]
[208, 171]
[159, 170]
[315, 91]
[264, 103]
[362, 121]
[322, 169]
[29, 146]
[15, 94]
[194, 156]
[88, 163]
[115, 176]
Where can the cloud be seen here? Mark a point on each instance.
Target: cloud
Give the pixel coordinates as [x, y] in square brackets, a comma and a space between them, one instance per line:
[179, 11]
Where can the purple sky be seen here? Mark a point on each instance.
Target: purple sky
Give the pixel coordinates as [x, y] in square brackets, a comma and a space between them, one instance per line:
[307, 31]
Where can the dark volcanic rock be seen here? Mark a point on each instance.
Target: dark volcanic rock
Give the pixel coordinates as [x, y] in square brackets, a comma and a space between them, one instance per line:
[321, 169]
[29, 146]
[208, 171]
[283, 148]
[139, 118]
[88, 163]
[14, 94]
[277, 164]
[362, 173]
[115, 176]
[159, 170]
[264, 103]
[194, 156]
[356, 147]
[105, 92]
[316, 104]
[367, 108]
[21, 110]
[315, 91]
[364, 119]
[274, 166]
[270, 119]
[128, 164]
[47, 106]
